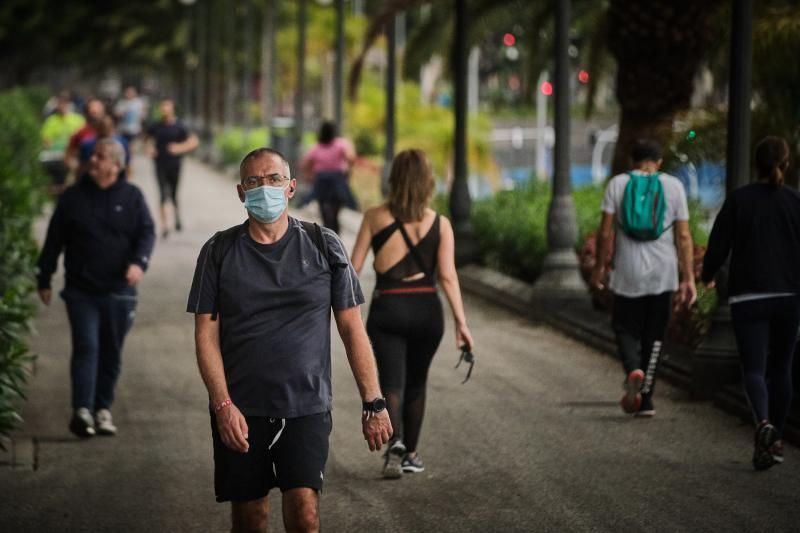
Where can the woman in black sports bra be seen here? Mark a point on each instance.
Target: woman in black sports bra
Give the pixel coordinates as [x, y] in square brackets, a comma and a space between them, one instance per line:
[413, 248]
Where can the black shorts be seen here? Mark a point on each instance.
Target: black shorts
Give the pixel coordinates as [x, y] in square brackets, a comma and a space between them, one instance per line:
[285, 453]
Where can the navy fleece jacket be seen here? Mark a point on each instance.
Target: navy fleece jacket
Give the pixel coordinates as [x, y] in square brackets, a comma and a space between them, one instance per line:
[102, 232]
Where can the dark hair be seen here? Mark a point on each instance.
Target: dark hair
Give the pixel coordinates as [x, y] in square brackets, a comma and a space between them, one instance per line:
[645, 150]
[772, 158]
[259, 153]
[410, 185]
[327, 132]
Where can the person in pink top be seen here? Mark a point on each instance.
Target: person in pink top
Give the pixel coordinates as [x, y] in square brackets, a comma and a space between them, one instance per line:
[328, 164]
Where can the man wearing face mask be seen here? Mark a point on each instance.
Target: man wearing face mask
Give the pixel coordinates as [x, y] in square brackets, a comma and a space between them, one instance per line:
[262, 296]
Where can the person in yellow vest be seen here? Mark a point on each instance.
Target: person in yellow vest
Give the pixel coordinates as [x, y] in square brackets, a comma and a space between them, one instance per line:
[55, 133]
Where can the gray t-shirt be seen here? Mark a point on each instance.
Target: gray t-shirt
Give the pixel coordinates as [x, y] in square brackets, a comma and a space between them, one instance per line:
[644, 268]
[274, 310]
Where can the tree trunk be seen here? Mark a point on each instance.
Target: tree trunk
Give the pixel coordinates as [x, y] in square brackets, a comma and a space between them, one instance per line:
[634, 126]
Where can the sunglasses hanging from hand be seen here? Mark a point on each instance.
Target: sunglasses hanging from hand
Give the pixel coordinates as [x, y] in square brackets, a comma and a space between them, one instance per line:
[466, 357]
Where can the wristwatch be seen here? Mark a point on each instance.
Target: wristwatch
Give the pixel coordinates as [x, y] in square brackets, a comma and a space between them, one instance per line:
[375, 406]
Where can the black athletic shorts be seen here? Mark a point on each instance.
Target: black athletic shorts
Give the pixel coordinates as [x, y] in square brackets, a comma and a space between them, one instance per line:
[286, 453]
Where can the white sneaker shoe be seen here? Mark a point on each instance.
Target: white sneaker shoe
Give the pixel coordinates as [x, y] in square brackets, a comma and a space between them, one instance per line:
[393, 458]
[104, 422]
[82, 423]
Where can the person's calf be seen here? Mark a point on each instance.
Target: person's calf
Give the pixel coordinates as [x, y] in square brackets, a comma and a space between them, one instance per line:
[250, 516]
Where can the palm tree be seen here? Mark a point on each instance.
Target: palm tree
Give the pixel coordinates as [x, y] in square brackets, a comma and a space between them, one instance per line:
[658, 46]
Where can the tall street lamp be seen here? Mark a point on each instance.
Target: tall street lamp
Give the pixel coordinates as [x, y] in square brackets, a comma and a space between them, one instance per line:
[560, 276]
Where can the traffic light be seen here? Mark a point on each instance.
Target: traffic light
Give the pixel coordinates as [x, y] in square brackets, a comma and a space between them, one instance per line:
[546, 88]
[583, 76]
[509, 39]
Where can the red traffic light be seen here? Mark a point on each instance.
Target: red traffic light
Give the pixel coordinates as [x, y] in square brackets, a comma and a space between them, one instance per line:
[546, 88]
[583, 76]
[509, 39]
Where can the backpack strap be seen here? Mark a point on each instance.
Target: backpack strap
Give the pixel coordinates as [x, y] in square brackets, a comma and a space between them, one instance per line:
[221, 243]
[315, 232]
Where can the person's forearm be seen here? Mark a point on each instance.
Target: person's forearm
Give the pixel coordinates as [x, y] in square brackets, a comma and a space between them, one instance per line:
[362, 360]
[209, 361]
[452, 291]
[686, 256]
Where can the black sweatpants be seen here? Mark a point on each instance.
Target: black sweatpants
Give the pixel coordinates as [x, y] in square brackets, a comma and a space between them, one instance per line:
[640, 325]
[766, 333]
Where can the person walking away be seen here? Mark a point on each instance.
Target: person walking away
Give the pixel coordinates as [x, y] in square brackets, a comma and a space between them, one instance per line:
[328, 164]
[759, 228]
[171, 141]
[56, 131]
[106, 252]
[262, 296]
[646, 216]
[130, 112]
[413, 247]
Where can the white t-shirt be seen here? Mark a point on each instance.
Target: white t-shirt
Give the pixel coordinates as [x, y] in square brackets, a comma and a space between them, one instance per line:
[642, 268]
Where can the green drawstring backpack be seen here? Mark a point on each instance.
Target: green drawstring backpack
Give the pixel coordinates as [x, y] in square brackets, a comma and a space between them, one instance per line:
[643, 207]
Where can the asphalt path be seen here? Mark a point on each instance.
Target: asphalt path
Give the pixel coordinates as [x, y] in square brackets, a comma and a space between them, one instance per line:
[535, 441]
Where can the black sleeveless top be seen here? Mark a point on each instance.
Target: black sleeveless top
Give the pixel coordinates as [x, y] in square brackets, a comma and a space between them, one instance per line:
[424, 252]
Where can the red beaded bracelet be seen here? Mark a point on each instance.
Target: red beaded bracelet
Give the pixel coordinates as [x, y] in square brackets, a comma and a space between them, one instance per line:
[222, 405]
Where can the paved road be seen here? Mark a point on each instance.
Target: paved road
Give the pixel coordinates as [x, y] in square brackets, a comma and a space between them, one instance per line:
[534, 442]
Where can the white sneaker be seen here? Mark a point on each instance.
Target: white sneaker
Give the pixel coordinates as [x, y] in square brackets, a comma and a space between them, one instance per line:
[393, 458]
[105, 424]
[82, 424]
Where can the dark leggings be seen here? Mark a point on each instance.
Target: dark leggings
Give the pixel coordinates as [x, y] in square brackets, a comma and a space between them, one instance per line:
[168, 176]
[766, 332]
[405, 330]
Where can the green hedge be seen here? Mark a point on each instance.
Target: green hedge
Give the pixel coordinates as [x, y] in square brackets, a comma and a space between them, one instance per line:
[22, 186]
[235, 143]
[511, 226]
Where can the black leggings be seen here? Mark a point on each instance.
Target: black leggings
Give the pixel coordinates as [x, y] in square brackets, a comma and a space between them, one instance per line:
[766, 332]
[405, 330]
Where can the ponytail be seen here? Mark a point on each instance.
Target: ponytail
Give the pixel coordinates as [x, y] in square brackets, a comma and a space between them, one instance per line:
[772, 156]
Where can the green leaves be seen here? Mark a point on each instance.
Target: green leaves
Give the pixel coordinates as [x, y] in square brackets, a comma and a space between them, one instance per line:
[22, 186]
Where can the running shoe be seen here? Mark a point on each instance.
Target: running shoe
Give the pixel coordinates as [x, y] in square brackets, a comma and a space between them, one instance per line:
[393, 458]
[777, 451]
[632, 399]
[104, 423]
[82, 423]
[646, 409]
[413, 465]
[764, 438]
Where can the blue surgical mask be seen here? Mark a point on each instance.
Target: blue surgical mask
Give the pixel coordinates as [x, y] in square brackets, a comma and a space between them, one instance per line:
[265, 203]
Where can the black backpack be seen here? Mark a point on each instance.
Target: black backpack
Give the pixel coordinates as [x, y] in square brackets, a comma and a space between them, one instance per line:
[222, 241]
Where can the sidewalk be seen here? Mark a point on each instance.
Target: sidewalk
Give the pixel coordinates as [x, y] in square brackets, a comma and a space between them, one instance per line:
[534, 442]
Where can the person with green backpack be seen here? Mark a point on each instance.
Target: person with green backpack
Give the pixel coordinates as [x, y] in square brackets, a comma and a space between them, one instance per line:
[645, 222]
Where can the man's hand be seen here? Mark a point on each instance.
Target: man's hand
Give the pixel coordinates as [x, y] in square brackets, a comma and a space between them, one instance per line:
[377, 429]
[174, 148]
[688, 293]
[233, 429]
[45, 295]
[134, 274]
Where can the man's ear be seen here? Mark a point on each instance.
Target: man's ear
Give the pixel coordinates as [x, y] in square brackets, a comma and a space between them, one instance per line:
[240, 190]
[292, 187]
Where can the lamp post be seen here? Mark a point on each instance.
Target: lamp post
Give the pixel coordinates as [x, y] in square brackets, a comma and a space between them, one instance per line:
[715, 361]
[189, 63]
[390, 110]
[299, 94]
[460, 202]
[560, 276]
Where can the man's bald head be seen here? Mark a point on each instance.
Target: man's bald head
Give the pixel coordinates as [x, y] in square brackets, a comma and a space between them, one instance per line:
[260, 153]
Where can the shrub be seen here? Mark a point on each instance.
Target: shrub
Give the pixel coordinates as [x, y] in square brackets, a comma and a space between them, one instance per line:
[511, 227]
[21, 197]
[234, 143]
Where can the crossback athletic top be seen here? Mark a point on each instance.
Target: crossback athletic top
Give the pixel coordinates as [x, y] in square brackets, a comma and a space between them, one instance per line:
[408, 266]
